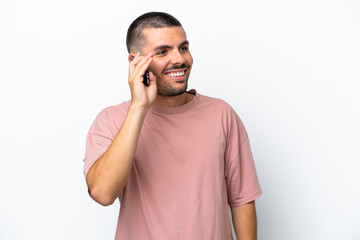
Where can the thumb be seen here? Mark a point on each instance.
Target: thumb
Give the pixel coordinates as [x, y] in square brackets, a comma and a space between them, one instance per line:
[152, 79]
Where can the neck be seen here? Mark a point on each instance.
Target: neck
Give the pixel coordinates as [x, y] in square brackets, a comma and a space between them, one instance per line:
[171, 102]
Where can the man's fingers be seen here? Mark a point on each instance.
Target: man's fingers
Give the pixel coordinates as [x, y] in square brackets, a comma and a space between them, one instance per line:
[142, 65]
[135, 59]
[152, 76]
[152, 79]
[152, 88]
[143, 68]
[138, 61]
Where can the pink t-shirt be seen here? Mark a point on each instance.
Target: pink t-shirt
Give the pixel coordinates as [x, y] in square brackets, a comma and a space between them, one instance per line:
[191, 162]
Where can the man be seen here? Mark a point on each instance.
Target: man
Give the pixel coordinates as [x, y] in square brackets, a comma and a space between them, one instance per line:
[174, 158]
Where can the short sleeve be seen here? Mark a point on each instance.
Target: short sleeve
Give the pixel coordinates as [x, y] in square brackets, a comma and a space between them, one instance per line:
[240, 173]
[101, 134]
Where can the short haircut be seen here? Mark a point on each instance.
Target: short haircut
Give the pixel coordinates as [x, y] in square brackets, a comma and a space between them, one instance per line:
[135, 38]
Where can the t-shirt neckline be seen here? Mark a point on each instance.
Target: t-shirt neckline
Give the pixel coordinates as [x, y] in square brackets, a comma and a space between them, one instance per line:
[176, 110]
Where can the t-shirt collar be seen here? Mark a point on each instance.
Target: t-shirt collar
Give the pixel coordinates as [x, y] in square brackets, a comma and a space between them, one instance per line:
[176, 110]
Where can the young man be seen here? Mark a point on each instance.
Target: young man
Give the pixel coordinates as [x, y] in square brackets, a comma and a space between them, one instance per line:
[174, 158]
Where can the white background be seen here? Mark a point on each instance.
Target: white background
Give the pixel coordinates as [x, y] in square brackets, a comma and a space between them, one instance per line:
[289, 68]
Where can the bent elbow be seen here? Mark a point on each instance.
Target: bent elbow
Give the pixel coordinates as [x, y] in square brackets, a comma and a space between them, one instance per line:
[103, 198]
[105, 201]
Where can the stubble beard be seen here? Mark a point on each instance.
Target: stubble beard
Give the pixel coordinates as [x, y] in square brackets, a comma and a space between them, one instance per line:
[166, 89]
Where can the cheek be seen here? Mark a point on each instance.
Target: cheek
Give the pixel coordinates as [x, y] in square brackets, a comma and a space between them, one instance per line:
[190, 60]
[157, 67]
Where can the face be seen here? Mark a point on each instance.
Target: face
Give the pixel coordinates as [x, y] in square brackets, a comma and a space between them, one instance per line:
[172, 60]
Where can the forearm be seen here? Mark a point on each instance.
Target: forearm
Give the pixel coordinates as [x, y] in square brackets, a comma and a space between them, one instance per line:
[107, 177]
[244, 221]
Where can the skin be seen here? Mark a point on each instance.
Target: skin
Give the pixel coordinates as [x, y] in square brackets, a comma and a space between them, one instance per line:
[244, 221]
[166, 51]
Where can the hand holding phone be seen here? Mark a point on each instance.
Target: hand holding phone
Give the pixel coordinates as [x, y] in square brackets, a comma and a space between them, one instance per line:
[143, 95]
[146, 76]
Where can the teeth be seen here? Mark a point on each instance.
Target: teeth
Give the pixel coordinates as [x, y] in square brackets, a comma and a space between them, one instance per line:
[176, 74]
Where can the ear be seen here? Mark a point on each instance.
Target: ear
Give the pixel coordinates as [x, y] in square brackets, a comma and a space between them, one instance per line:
[131, 56]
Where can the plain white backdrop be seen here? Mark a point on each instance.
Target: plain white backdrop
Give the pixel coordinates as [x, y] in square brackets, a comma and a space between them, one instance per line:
[289, 68]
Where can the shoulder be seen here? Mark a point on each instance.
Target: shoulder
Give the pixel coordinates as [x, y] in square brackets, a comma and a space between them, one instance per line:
[216, 104]
[229, 118]
[115, 111]
[112, 115]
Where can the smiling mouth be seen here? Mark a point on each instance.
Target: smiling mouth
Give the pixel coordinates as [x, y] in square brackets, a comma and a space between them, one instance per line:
[177, 75]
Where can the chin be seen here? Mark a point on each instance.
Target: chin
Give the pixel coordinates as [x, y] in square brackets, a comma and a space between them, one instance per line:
[171, 91]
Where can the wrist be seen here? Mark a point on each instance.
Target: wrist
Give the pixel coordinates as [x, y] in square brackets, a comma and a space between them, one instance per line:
[135, 108]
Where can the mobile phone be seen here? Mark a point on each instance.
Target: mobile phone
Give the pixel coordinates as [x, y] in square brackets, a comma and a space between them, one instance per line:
[146, 76]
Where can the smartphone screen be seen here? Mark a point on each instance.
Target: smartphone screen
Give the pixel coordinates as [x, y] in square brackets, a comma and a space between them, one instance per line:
[146, 76]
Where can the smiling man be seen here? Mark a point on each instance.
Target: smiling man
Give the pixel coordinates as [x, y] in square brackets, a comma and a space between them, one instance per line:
[174, 158]
[172, 60]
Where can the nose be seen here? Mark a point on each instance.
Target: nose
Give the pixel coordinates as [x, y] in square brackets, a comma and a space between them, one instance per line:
[177, 58]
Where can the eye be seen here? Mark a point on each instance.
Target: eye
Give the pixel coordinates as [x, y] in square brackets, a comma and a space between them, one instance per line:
[184, 49]
[161, 52]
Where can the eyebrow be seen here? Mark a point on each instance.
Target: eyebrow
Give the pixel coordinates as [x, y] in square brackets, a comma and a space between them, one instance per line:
[186, 42]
